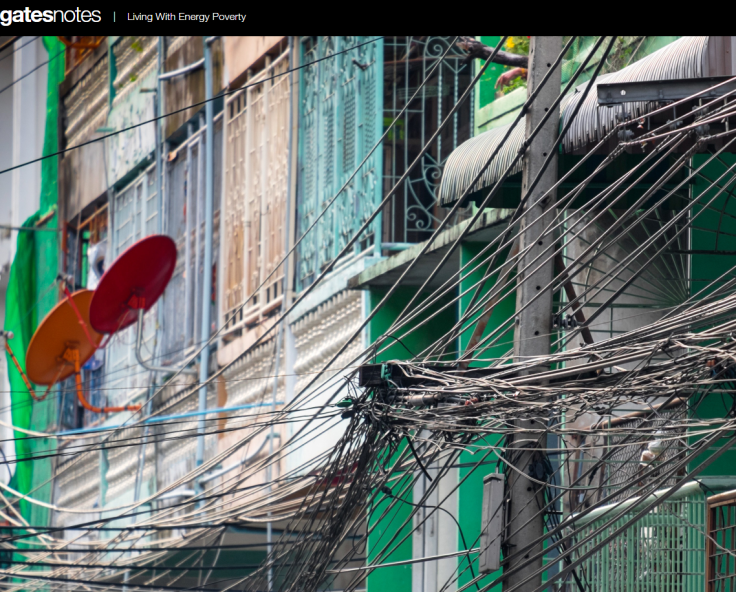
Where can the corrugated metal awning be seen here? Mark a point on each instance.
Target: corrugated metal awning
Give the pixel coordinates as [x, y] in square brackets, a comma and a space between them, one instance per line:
[684, 58]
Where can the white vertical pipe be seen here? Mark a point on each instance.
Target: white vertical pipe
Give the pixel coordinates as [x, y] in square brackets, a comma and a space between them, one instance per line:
[188, 273]
[263, 222]
[221, 264]
[284, 302]
[159, 111]
[198, 224]
[208, 222]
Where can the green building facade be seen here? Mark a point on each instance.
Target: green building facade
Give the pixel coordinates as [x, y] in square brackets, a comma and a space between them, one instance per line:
[708, 254]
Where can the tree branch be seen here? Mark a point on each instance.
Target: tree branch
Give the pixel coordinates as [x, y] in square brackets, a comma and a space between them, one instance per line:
[475, 49]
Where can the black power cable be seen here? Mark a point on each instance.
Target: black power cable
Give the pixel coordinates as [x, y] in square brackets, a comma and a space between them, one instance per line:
[388, 493]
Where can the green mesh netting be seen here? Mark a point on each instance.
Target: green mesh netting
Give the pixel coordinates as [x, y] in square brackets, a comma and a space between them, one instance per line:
[30, 295]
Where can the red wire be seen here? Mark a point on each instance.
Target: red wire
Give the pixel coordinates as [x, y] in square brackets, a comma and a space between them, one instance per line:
[79, 316]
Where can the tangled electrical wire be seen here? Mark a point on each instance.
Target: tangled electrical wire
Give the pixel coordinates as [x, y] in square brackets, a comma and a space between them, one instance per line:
[616, 412]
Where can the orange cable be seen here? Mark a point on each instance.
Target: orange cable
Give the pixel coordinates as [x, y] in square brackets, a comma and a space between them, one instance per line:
[79, 316]
[74, 355]
[23, 375]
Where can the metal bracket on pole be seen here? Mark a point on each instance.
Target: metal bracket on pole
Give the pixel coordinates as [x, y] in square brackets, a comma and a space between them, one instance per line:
[71, 357]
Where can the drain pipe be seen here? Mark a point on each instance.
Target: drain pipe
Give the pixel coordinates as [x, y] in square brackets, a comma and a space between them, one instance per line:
[209, 164]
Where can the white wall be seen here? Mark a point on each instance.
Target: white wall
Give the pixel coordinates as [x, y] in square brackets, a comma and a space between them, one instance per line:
[22, 123]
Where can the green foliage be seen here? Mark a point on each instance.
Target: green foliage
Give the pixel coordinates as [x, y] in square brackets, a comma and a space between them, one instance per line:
[518, 45]
[624, 50]
[513, 85]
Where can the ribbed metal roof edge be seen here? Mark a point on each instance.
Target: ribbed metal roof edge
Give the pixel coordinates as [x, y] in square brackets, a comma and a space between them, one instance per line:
[684, 58]
[468, 159]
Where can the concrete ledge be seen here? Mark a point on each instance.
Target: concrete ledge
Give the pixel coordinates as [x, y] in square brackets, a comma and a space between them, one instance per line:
[388, 270]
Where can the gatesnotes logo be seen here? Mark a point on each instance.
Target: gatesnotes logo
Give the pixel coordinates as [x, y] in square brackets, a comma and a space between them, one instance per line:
[28, 15]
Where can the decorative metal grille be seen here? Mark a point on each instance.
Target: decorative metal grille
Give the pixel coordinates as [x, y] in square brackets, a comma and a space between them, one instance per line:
[136, 211]
[184, 194]
[135, 214]
[255, 196]
[664, 550]
[414, 212]
[339, 119]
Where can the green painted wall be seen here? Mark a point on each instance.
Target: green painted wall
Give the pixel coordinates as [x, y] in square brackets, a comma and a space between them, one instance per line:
[713, 230]
[502, 311]
[470, 495]
[398, 578]
[487, 83]
[418, 338]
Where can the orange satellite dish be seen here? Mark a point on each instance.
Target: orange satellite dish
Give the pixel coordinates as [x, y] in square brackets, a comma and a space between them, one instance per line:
[50, 355]
[61, 345]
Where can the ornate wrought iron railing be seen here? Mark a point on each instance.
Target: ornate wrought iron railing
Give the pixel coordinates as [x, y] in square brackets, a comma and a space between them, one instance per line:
[414, 212]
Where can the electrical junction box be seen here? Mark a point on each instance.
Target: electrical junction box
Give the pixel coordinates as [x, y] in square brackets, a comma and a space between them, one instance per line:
[492, 523]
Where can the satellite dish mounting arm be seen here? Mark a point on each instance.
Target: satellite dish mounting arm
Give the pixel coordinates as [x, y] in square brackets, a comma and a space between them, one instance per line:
[151, 367]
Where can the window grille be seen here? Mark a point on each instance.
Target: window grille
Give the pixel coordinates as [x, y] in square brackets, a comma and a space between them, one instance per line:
[256, 173]
[339, 122]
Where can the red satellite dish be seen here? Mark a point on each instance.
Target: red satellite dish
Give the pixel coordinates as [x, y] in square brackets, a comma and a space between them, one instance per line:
[134, 281]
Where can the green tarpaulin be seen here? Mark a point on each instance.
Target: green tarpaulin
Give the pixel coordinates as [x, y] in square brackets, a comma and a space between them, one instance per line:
[31, 293]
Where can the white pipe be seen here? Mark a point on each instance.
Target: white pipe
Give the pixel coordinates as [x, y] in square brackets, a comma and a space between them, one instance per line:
[636, 503]
[199, 200]
[176, 494]
[185, 70]
[188, 321]
[146, 365]
[207, 271]
[158, 110]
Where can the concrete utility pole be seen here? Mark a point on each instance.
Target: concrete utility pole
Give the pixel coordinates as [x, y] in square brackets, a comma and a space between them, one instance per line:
[531, 336]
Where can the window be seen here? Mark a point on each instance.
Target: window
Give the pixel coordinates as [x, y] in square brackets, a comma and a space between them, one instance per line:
[257, 163]
[339, 123]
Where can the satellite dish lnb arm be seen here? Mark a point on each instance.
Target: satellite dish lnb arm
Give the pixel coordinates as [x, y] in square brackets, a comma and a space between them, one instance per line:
[151, 367]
